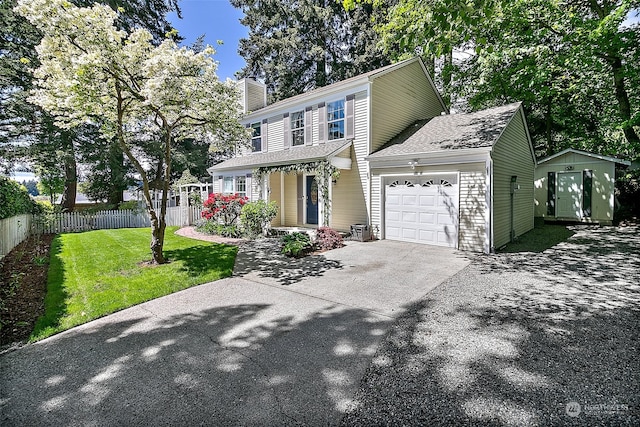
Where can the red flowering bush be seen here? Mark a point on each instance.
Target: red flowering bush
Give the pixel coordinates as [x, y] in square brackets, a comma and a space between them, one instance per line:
[224, 208]
[328, 238]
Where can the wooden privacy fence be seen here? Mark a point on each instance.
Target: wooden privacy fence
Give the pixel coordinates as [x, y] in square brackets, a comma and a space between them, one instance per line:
[13, 231]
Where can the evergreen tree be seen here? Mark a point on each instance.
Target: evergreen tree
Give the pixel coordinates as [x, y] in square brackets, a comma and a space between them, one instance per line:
[299, 45]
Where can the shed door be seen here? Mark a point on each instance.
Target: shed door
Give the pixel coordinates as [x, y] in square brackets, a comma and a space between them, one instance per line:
[422, 210]
[569, 195]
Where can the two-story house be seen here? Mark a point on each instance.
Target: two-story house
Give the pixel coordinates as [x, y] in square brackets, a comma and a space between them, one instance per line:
[381, 149]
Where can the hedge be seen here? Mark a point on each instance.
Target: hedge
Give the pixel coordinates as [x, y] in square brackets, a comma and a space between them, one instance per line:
[14, 199]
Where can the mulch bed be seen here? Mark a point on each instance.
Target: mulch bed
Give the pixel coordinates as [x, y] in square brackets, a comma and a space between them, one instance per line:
[23, 287]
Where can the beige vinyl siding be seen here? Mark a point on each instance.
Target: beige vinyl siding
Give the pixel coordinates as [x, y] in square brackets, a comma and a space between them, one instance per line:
[512, 156]
[472, 232]
[275, 196]
[472, 203]
[398, 99]
[290, 200]
[254, 96]
[347, 204]
[275, 137]
[361, 141]
[602, 199]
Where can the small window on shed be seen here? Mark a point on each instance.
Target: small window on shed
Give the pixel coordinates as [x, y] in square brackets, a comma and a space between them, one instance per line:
[394, 184]
[445, 183]
[408, 183]
[428, 183]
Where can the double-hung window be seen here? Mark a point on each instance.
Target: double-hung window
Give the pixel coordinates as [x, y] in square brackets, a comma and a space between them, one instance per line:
[256, 139]
[335, 119]
[227, 186]
[241, 185]
[235, 185]
[297, 128]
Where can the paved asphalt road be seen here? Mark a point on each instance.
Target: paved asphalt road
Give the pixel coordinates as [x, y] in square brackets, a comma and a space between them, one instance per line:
[282, 342]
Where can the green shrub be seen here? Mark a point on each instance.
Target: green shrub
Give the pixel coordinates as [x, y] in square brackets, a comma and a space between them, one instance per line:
[296, 244]
[327, 238]
[256, 216]
[14, 199]
[213, 227]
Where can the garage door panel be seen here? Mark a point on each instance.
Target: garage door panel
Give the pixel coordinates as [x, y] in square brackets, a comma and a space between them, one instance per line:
[427, 201]
[409, 217]
[426, 235]
[409, 200]
[427, 218]
[393, 215]
[445, 219]
[393, 232]
[409, 233]
[426, 212]
[393, 200]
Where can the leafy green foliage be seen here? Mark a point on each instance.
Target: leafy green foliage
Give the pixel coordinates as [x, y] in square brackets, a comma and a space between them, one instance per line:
[215, 228]
[96, 273]
[14, 199]
[296, 244]
[628, 194]
[575, 65]
[327, 238]
[256, 216]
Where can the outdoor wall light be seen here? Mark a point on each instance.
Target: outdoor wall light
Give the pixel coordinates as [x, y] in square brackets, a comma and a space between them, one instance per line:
[413, 163]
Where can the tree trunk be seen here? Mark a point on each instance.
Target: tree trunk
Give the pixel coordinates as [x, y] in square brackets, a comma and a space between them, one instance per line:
[117, 169]
[624, 106]
[158, 226]
[548, 126]
[68, 201]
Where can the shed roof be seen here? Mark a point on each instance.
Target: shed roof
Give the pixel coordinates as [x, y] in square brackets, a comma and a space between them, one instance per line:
[480, 129]
[585, 153]
[292, 155]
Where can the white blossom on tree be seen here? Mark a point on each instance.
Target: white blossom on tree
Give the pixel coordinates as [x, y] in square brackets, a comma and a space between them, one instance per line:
[91, 72]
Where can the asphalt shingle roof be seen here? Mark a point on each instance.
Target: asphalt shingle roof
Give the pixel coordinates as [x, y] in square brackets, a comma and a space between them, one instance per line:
[450, 132]
[292, 155]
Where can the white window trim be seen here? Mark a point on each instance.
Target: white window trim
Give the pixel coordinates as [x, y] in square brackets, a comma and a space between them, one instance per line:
[343, 119]
[301, 129]
[259, 127]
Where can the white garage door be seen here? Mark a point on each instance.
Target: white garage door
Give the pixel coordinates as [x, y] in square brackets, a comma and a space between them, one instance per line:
[422, 209]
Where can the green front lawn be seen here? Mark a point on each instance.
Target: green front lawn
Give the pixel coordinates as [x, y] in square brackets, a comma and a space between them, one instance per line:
[96, 273]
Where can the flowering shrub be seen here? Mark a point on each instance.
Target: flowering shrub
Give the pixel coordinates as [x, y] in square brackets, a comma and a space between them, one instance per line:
[223, 208]
[328, 238]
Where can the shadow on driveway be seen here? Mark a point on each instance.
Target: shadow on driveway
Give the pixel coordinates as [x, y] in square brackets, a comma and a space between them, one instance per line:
[516, 338]
[262, 258]
[220, 366]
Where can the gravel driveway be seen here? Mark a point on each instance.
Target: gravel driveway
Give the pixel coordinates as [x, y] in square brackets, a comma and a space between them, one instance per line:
[518, 339]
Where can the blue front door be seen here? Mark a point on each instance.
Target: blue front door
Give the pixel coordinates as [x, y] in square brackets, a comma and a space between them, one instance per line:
[312, 200]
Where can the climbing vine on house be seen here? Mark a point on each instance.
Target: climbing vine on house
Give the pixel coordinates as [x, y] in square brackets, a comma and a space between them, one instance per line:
[323, 169]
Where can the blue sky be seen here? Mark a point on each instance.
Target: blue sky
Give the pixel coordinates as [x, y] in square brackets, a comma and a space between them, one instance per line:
[217, 20]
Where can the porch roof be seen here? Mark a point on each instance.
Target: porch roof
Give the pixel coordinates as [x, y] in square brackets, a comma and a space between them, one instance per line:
[309, 153]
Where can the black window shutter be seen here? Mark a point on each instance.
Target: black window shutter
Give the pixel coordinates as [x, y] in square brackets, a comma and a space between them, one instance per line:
[587, 186]
[551, 194]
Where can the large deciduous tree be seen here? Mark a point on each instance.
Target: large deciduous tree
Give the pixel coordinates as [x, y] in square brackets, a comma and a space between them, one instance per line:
[27, 134]
[575, 64]
[92, 72]
[298, 45]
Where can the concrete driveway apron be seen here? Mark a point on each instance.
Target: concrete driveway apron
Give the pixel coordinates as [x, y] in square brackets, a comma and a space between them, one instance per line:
[281, 342]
